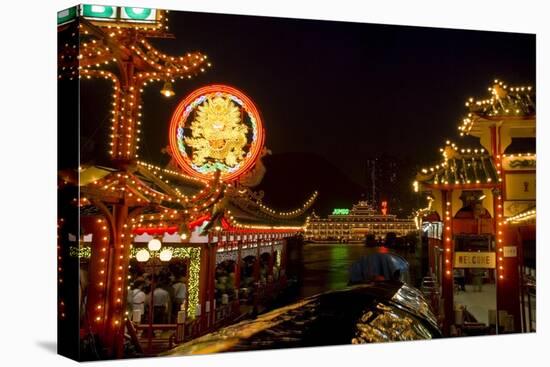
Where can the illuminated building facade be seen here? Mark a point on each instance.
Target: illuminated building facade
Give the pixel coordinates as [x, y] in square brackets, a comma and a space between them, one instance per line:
[201, 208]
[483, 200]
[345, 225]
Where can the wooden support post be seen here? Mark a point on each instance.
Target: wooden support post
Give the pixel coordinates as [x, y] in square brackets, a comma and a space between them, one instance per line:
[116, 283]
[238, 269]
[210, 307]
[97, 274]
[256, 271]
[448, 253]
[271, 258]
[203, 285]
[508, 287]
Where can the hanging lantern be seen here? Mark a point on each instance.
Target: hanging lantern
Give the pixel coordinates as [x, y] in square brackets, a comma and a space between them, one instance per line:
[154, 245]
[143, 255]
[167, 89]
[165, 255]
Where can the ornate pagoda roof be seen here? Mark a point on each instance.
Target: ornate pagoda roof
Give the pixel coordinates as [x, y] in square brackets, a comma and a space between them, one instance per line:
[504, 102]
[169, 198]
[460, 167]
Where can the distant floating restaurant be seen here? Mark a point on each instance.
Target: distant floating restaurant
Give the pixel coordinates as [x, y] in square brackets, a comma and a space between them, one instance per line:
[353, 225]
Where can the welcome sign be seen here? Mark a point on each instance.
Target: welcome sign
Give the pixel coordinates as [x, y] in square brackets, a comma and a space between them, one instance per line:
[484, 260]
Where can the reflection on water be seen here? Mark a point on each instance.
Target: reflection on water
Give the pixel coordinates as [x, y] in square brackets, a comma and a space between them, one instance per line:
[326, 266]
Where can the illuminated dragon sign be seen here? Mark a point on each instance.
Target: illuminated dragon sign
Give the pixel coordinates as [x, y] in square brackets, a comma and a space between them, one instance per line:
[216, 127]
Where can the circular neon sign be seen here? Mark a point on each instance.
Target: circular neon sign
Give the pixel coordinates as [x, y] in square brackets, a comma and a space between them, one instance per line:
[216, 127]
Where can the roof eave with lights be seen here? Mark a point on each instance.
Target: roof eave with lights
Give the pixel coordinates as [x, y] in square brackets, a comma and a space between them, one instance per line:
[162, 191]
[528, 216]
[460, 168]
[504, 104]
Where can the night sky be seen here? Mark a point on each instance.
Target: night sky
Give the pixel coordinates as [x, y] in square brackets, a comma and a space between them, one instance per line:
[344, 91]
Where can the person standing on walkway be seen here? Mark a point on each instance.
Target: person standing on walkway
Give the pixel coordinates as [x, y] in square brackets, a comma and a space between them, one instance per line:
[161, 305]
[478, 279]
[180, 292]
[136, 299]
[460, 279]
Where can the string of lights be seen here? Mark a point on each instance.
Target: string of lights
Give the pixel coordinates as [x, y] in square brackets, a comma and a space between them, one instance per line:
[504, 102]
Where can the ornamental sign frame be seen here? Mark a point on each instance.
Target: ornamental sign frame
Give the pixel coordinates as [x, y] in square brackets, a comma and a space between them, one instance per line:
[519, 162]
[216, 127]
[113, 16]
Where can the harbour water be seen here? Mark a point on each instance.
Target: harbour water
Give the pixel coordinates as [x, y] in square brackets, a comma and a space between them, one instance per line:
[320, 267]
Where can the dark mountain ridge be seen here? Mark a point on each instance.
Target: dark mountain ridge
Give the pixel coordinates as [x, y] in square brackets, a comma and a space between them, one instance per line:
[292, 177]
